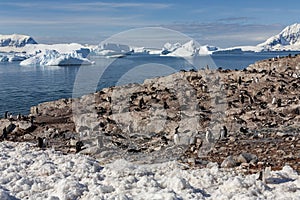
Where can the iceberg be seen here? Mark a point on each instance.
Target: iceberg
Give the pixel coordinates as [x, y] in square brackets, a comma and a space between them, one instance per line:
[54, 58]
[16, 40]
[188, 49]
[17, 57]
[112, 49]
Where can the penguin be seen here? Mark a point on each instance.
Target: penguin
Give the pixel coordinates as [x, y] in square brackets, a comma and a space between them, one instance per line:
[204, 88]
[45, 142]
[11, 118]
[273, 101]
[209, 137]
[79, 145]
[19, 117]
[244, 130]
[223, 132]
[176, 139]
[4, 133]
[279, 103]
[141, 103]
[129, 128]
[242, 98]
[240, 80]
[5, 114]
[166, 106]
[40, 142]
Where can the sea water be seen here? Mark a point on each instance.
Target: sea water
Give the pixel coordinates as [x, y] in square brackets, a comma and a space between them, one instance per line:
[24, 86]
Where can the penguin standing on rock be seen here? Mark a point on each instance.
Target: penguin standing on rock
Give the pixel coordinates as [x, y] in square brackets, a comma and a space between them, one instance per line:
[223, 132]
[79, 145]
[5, 114]
[40, 142]
[242, 98]
[4, 133]
[209, 137]
[273, 101]
[240, 80]
[176, 139]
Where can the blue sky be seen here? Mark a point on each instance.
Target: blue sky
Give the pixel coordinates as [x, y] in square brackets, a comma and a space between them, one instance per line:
[215, 22]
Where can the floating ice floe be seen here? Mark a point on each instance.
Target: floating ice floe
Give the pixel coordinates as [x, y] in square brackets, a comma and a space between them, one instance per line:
[54, 58]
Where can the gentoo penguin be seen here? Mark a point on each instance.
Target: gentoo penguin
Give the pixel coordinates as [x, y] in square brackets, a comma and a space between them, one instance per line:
[4, 133]
[40, 142]
[273, 100]
[141, 103]
[279, 103]
[256, 80]
[19, 117]
[240, 80]
[79, 145]
[242, 98]
[5, 114]
[209, 137]
[166, 106]
[223, 132]
[204, 88]
[45, 142]
[176, 138]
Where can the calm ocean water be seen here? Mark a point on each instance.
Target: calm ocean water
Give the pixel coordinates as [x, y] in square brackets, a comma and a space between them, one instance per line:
[22, 87]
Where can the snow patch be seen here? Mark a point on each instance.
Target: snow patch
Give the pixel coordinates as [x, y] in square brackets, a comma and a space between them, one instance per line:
[27, 171]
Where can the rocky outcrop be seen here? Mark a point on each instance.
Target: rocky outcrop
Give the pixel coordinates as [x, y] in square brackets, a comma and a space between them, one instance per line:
[170, 117]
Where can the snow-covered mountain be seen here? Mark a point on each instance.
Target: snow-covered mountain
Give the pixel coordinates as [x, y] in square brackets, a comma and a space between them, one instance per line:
[16, 40]
[287, 39]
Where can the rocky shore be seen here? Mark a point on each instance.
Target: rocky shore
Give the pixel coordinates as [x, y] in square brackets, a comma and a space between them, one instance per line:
[181, 117]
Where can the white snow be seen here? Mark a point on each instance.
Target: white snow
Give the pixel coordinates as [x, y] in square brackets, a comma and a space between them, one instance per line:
[30, 173]
[54, 58]
[17, 57]
[287, 39]
[15, 40]
[188, 49]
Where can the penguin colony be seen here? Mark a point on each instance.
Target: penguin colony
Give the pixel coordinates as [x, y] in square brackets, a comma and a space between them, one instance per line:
[220, 106]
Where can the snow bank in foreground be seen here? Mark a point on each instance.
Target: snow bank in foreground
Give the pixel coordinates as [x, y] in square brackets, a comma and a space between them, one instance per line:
[29, 173]
[53, 57]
